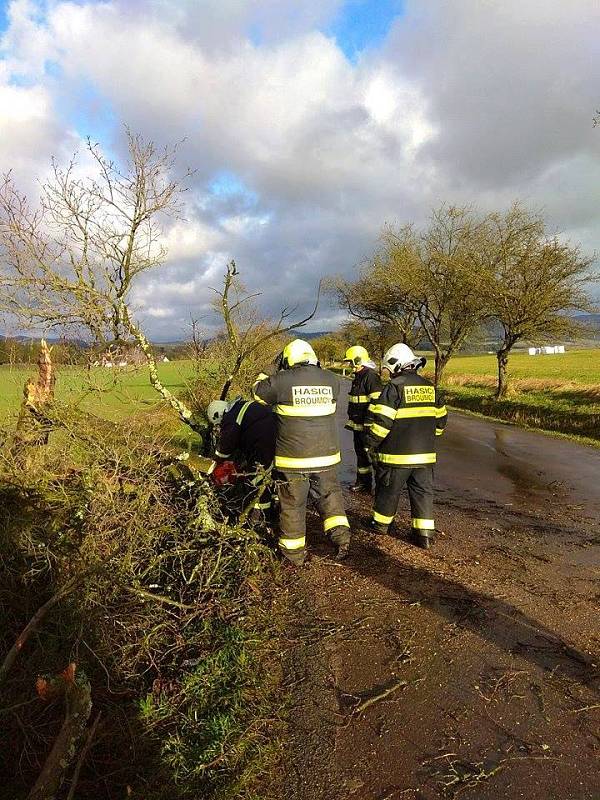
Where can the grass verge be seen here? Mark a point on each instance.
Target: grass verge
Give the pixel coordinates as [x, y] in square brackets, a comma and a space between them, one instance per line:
[570, 409]
[170, 618]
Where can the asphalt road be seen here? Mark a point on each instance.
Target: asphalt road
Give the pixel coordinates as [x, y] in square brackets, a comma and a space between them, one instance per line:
[470, 669]
[509, 466]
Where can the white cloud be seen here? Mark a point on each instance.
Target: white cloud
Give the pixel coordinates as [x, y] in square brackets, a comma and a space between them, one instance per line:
[472, 102]
[189, 239]
[158, 312]
[30, 133]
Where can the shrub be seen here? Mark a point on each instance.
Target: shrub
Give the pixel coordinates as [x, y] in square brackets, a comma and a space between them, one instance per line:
[159, 612]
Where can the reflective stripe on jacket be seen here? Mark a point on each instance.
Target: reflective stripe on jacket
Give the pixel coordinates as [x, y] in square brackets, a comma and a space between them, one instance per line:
[366, 387]
[248, 431]
[403, 423]
[304, 401]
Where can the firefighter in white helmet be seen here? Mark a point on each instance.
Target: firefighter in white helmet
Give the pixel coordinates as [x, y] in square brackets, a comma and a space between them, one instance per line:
[402, 428]
[245, 449]
[366, 387]
[307, 450]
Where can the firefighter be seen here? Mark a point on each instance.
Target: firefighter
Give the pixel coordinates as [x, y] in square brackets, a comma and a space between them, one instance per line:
[366, 387]
[246, 437]
[402, 428]
[307, 451]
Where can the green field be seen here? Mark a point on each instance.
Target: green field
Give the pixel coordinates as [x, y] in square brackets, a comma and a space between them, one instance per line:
[577, 366]
[110, 393]
[559, 393]
[556, 393]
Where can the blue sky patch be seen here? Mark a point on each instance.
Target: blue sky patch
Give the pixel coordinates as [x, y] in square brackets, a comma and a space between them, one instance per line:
[89, 111]
[363, 24]
[227, 184]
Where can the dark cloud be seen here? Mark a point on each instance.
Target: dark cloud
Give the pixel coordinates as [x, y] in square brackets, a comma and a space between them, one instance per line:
[301, 155]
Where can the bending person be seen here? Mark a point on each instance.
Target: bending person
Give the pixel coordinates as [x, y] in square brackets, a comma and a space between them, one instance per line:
[247, 433]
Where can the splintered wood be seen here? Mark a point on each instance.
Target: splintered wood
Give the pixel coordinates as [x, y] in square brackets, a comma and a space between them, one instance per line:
[32, 426]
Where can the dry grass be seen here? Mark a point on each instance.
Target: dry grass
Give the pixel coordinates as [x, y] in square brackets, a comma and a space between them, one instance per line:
[523, 385]
[169, 619]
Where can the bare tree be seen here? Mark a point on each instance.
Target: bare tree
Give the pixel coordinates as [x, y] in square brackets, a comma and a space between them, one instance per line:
[376, 338]
[379, 297]
[329, 347]
[246, 333]
[424, 284]
[70, 262]
[447, 283]
[533, 282]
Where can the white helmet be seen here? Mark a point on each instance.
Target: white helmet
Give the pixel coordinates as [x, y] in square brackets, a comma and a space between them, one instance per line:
[216, 411]
[399, 357]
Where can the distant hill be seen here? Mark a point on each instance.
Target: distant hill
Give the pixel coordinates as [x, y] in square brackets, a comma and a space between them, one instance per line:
[589, 319]
[308, 336]
[491, 331]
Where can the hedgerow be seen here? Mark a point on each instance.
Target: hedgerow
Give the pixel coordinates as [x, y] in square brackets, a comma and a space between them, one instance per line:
[161, 605]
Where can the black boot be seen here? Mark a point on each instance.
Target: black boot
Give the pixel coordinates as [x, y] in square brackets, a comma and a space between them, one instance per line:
[362, 487]
[342, 552]
[377, 527]
[424, 539]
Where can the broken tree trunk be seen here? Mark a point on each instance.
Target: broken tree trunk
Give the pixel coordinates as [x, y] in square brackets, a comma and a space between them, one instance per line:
[184, 412]
[78, 706]
[33, 427]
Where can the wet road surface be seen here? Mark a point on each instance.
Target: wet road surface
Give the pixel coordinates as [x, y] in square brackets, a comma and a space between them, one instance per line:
[469, 670]
[506, 465]
[497, 461]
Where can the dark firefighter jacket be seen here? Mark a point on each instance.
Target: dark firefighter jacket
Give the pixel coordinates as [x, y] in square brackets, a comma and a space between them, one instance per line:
[248, 432]
[403, 423]
[366, 387]
[304, 401]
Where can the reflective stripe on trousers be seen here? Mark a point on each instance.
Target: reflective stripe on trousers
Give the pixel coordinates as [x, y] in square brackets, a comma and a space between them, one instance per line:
[307, 465]
[389, 483]
[363, 465]
[293, 489]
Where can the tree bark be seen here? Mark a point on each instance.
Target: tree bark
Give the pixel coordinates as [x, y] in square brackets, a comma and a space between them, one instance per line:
[82, 756]
[441, 362]
[503, 386]
[184, 412]
[78, 706]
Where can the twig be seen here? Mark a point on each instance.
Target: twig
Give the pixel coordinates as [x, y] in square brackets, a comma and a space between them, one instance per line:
[82, 756]
[376, 698]
[160, 598]
[585, 708]
[37, 619]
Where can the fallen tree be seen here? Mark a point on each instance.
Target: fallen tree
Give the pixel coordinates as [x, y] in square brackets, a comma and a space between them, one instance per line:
[110, 546]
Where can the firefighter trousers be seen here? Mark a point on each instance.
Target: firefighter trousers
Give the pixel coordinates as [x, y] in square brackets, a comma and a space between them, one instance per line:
[294, 489]
[389, 483]
[364, 475]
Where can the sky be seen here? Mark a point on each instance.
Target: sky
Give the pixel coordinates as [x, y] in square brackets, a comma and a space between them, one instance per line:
[310, 124]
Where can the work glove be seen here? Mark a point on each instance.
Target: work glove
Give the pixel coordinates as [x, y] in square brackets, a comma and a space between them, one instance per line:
[371, 454]
[224, 474]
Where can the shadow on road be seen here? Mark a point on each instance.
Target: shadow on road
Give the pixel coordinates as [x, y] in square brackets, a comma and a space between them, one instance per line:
[487, 617]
